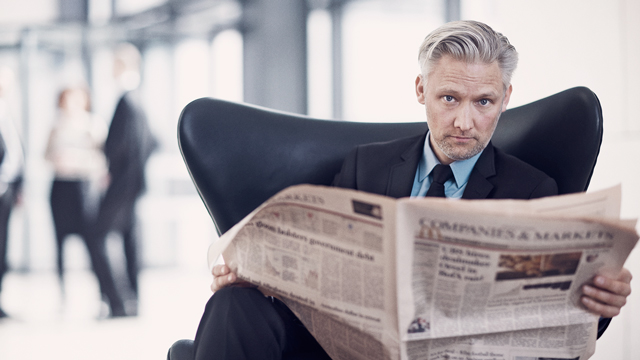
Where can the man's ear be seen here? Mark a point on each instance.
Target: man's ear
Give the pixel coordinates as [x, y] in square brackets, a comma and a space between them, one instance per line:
[420, 89]
[507, 97]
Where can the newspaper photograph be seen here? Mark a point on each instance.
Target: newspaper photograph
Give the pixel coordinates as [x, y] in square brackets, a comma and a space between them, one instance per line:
[374, 277]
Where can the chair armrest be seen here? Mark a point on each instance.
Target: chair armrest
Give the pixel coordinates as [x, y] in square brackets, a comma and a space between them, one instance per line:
[181, 350]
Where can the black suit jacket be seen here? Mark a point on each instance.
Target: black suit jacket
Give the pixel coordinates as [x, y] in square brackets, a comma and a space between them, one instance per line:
[389, 169]
[128, 146]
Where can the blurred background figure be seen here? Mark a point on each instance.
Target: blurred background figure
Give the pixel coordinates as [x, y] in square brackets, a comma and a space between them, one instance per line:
[128, 146]
[11, 169]
[75, 150]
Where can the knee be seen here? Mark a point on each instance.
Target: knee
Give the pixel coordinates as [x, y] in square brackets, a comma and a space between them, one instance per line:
[241, 320]
[242, 305]
[235, 296]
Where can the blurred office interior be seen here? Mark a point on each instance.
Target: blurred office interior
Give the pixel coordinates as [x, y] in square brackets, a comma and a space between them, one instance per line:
[343, 59]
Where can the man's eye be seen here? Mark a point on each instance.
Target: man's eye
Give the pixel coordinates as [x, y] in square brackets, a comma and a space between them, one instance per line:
[484, 102]
[448, 98]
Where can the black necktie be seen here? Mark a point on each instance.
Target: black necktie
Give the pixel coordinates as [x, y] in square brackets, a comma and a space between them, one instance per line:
[441, 173]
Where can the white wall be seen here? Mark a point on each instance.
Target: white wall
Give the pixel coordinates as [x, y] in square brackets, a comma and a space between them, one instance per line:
[18, 13]
[590, 43]
[381, 39]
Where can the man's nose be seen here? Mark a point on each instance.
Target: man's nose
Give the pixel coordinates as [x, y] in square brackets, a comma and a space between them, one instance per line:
[464, 118]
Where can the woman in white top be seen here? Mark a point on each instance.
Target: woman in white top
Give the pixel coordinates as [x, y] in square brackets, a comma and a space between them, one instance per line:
[75, 151]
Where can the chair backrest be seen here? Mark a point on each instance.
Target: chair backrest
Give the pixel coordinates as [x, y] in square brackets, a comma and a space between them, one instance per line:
[239, 155]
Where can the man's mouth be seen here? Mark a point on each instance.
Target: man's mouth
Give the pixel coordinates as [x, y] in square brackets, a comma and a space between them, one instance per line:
[460, 138]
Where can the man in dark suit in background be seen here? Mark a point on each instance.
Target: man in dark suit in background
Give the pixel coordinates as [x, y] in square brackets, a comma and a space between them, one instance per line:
[465, 84]
[11, 169]
[128, 146]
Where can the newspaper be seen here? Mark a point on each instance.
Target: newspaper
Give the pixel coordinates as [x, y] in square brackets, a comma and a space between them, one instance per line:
[374, 277]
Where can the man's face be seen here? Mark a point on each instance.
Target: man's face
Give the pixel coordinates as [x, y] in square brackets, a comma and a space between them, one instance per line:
[463, 104]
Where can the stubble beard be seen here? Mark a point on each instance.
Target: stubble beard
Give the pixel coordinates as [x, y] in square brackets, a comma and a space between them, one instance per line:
[457, 153]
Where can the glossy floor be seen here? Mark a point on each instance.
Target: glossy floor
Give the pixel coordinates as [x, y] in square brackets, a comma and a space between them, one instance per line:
[43, 325]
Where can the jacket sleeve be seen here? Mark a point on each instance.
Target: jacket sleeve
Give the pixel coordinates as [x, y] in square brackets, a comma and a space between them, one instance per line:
[346, 178]
[547, 187]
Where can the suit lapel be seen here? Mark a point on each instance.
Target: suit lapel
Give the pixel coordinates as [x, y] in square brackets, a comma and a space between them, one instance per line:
[403, 173]
[478, 187]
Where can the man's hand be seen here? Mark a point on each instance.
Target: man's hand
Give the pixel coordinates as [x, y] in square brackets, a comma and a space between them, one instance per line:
[607, 295]
[223, 277]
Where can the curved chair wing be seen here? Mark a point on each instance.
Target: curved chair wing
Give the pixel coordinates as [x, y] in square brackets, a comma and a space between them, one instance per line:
[239, 155]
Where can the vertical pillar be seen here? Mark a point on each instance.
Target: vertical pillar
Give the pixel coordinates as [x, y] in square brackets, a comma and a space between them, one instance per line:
[452, 10]
[336, 10]
[74, 11]
[275, 54]
[28, 54]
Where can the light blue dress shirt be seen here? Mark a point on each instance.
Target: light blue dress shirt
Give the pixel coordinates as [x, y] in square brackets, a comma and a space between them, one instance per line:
[454, 187]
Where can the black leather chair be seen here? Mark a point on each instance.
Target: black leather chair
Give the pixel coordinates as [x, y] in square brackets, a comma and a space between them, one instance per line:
[240, 155]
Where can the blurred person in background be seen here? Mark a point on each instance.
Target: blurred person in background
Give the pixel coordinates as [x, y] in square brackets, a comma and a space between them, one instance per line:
[75, 151]
[11, 168]
[128, 146]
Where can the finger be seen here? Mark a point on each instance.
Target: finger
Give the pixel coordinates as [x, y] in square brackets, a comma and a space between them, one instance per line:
[625, 276]
[220, 269]
[598, 308]
[604, 297]
[226, 280]
[618, 287]
[222, 281]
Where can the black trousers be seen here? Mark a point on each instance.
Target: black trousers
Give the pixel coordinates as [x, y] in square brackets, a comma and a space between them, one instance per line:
[117, 213]
[241, 323]
[69, 215]
[97, 241]
[7, 200]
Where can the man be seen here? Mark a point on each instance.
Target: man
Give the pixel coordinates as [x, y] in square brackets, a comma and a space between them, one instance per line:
[465, 85]
[11, 169]
[128, 146]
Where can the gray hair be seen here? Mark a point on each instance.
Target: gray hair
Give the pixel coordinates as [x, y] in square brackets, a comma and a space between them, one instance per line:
[469, 41]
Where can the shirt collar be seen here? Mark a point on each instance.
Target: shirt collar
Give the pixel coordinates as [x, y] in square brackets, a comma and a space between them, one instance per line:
[461, 169]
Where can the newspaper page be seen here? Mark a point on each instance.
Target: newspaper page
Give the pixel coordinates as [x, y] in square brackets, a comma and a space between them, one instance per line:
[329, 254]
[489, 280]
[373, 277]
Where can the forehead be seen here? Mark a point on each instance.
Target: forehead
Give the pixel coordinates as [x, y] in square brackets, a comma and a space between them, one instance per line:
[451, 74]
